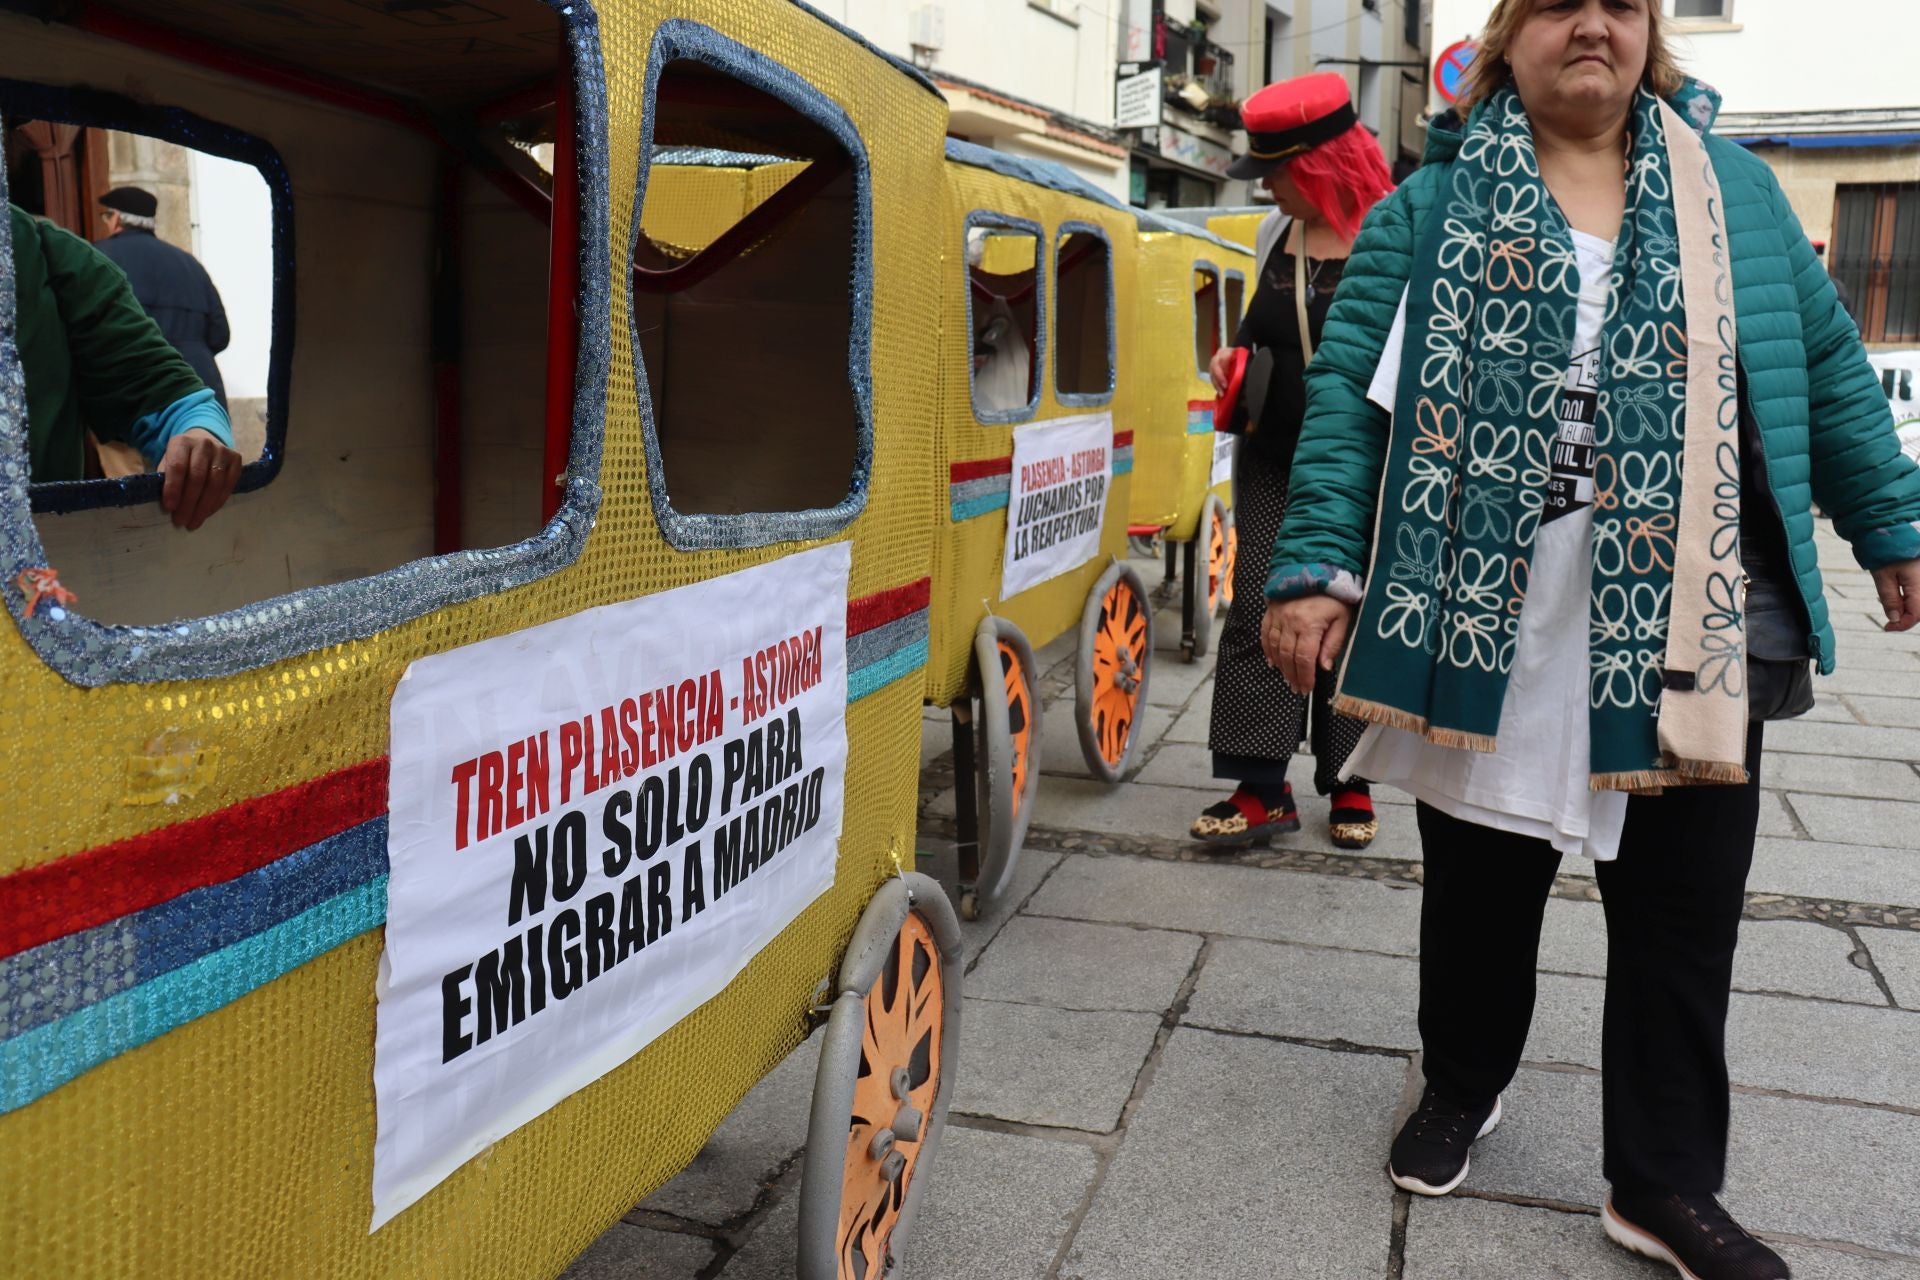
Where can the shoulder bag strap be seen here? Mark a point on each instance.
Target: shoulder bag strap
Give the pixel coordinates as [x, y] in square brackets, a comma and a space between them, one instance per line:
[1300, 295]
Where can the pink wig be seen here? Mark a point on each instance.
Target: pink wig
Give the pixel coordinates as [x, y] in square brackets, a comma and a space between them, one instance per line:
[1343, 178]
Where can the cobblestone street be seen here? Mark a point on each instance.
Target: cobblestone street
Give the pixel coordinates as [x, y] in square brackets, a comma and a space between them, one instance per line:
[1181, 1065]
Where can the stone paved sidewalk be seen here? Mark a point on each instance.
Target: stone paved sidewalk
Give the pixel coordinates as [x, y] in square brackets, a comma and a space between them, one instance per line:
[1179, 1065]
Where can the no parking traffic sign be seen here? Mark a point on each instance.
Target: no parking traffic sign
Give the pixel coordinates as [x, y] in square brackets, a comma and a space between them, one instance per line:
[1450, 68]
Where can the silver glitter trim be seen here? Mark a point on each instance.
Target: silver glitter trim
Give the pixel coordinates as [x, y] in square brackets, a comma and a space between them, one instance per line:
[92, 654]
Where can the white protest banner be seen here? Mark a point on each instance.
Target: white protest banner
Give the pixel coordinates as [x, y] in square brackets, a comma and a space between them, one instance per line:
[1222, 459]
[1899, 371]
[1061, 473]
[595, 824]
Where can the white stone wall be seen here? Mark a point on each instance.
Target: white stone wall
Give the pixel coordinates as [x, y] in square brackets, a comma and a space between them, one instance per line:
[1777, 55]
[1057, 53]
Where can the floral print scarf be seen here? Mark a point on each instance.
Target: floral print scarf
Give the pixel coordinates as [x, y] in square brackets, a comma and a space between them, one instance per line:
[1491, 308]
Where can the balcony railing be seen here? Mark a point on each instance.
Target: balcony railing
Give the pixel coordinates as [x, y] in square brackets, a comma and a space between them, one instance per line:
[1197, 73]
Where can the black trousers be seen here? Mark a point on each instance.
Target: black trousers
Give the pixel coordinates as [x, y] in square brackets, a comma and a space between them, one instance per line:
[1673, 900]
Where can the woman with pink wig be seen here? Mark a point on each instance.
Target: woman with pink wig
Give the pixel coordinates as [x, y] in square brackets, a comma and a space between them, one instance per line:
[1324, 171]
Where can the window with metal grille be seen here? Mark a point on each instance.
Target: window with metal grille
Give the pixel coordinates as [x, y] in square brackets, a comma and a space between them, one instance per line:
[1875, 258]
[1709, 10]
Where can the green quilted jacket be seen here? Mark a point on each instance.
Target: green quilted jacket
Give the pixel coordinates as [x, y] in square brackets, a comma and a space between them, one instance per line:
[1824, 421]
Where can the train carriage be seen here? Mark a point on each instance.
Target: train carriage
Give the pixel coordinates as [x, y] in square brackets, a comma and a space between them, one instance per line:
[527, 440]
[1193, 287]
[1037, 405]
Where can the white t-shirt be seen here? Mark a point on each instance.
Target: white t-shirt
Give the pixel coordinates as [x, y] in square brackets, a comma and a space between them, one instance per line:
[1536, 782]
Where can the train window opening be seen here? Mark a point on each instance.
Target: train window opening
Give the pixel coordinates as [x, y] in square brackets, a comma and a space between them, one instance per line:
[1234, 292]
[744, 311]
[1003, 308]
[1206, 317]
[389, 319]
[192, 231]
[1083, 327]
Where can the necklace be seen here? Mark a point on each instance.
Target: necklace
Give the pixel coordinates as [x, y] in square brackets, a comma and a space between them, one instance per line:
[1313, 268]
[1313, 278]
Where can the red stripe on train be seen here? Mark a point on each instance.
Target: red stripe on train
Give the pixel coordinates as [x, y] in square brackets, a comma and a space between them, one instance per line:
[963, 471]
[57, 898]
[891, 605]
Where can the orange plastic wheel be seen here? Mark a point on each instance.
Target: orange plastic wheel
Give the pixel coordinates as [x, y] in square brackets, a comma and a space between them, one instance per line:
[892, 1098]
[1007, 772]
[1219, 557]
[1018, 691]
[1116, 651]
[887, 1063]
[1209, 578]
[1233, 561]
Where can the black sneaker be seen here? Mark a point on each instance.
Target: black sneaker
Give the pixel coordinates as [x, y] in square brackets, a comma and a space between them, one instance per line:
[1429, 1157]
[1691, 1234]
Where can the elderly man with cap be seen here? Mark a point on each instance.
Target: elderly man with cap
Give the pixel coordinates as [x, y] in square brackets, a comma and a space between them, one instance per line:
[94, 360]
[169, 282]
[1324, 171]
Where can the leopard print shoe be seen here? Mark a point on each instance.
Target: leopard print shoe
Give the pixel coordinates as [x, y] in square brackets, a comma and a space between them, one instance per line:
[1351, 821]
[1243, 818]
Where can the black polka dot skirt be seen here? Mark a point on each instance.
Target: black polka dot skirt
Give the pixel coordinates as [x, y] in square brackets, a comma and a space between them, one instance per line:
[1255, 715]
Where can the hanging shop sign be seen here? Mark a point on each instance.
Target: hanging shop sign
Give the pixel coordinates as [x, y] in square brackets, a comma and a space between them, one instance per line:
[1196, 153]
[1136, 100]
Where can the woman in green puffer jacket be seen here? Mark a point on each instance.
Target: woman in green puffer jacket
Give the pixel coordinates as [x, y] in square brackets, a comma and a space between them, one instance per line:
[1582, 383]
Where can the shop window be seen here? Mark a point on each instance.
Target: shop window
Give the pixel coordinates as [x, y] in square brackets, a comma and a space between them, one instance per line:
[196, 216]
[1083, 317]
[1235, 294]
[1003, 316]
[1206, 316]
[1875, 258]
[750, 322]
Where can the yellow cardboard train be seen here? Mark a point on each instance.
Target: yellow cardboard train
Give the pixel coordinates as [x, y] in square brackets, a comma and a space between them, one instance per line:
[409, 869]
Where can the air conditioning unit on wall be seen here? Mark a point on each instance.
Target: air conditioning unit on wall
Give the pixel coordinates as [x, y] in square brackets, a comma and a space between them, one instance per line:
[927, 31]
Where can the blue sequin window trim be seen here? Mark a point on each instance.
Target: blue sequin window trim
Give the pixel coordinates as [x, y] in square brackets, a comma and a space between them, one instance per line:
[682, 39]
[1007, 222]
[1057, 177]
[21, 99]
[1085, 399]
[92, 654]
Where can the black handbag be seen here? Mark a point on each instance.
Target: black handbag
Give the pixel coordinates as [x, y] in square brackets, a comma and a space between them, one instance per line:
[1244, 419]
[1779, 668]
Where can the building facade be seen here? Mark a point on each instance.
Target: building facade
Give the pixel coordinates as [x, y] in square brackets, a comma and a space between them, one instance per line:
[1825, 94]
[1141, 97]
[1032, 77]
[1209, 55]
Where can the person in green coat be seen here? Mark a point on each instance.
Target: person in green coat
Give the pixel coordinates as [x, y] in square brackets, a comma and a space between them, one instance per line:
[1583, 382]
[94, 360]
